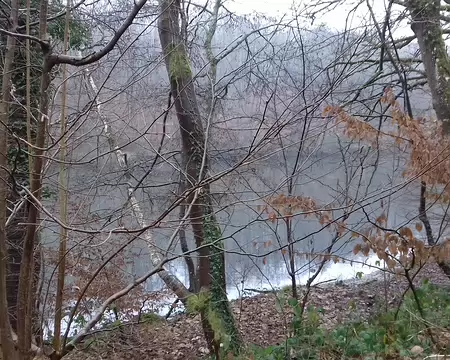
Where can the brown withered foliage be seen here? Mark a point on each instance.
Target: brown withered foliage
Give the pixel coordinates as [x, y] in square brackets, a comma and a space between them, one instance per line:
[283, 206]
[428, 147]
[429, 162]
[401, 250]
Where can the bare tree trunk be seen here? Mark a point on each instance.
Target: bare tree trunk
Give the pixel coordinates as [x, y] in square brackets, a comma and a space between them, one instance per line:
[15, 234]
[211, 272]
[8, 350]
[188, 115]
[26, 293]
[193, 283]
[426, 26]
[63, 198]
[291, 257]
[423, 217]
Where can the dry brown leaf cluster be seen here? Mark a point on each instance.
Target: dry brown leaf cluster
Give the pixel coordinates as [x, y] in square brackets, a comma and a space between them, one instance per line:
[429, 161]
[429, 149]
[282, 206]
[402, 250]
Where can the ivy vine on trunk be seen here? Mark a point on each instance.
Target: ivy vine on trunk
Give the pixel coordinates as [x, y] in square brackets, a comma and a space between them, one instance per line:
[218, 323]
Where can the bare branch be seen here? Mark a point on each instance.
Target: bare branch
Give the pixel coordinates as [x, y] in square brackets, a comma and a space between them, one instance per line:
[25, 36]
[101, 310]
[89, 59]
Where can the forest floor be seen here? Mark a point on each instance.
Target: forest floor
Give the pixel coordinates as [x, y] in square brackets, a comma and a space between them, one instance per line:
[261, 319]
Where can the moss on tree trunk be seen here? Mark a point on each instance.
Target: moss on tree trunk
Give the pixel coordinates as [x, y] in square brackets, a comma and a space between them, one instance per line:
[219, 305]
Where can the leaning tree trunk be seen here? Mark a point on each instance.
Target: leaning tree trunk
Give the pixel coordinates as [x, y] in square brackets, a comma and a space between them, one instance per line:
[426, 26]
[171, 281]
[217, 319]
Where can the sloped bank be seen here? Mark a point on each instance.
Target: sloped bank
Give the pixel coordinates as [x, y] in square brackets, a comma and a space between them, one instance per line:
[263, 319]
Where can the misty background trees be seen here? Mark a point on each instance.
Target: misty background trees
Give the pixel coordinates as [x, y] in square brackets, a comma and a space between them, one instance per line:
[175, 151]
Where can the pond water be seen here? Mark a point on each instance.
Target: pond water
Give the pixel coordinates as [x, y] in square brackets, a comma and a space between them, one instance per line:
[253, 258]
[329, 176]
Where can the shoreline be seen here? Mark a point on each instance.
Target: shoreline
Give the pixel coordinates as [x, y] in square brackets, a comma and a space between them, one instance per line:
[264, 319]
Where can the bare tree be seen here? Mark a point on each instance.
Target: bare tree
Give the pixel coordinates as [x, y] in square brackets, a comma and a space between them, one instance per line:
[398, 57]
[8, 351]
[207, 234]
[26, 295]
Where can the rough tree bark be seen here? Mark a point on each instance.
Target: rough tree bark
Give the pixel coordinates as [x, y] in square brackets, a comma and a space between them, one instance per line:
[427, 27]
[204, 224]
[8, 350]
[63, 196]
[19, 124]
[26, 293]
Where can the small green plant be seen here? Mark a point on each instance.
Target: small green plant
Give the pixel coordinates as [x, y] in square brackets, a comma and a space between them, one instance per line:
[197, 302]
[80, 321]
[202, 302]
[150, 318]
[390, 334]
[396, 333]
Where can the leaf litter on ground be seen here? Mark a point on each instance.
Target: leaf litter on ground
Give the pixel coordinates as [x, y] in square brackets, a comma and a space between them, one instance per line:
[263, 319]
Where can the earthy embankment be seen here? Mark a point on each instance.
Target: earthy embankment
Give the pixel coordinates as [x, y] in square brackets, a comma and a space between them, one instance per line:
[261, 320]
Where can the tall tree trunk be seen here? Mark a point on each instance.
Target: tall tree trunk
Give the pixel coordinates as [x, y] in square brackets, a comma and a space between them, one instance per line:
[15, 234]
[426, 26]
[26, 292]
[8, 350]
[19, 164]
[211, 272]
[19, 124]
[63, 196]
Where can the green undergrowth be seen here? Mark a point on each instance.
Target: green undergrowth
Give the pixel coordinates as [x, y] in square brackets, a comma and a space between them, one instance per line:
[396, 334]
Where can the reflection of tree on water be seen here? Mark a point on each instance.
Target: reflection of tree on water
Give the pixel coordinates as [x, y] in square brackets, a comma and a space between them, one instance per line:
[237, 196]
